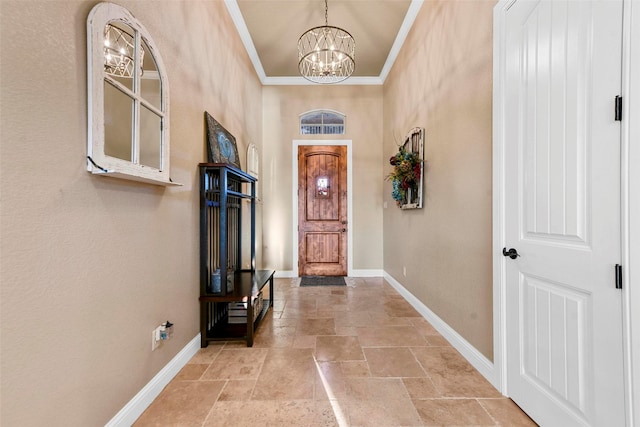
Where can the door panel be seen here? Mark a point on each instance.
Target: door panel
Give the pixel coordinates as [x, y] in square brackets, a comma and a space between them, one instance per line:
[562, 200]
[322, 210]
[554, 341]
[323, 247]
[556, 76]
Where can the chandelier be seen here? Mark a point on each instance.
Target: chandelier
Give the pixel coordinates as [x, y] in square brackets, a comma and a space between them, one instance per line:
[326, 54]
[119, 52]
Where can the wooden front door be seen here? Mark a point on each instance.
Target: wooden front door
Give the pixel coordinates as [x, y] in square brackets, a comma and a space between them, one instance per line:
[322, 210]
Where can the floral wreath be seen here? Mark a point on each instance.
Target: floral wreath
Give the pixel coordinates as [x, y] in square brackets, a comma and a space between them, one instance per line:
[405, 175]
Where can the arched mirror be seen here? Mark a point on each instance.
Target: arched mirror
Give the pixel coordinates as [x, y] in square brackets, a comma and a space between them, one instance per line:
[128, 99]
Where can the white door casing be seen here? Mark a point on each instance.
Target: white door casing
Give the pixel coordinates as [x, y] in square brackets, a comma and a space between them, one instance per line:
[561, 185]
[294, 191]
[631, 205]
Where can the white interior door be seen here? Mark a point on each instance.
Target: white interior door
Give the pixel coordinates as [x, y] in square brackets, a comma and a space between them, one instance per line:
[562, 211]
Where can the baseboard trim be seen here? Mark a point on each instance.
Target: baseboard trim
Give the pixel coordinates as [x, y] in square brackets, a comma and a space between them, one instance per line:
[141, 401]
[473, 356]
[366, 273]
[287, 274]
[284, 274]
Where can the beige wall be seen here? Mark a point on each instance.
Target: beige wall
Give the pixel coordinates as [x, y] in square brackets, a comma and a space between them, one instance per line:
[442, 81]
[363, 108]
[90, 265]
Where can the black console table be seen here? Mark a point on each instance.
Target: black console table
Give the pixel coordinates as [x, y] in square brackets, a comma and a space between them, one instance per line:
[232, 303]
[216, 310]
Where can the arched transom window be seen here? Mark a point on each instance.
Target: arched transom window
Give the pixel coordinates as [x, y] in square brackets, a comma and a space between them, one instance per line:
[322, 122]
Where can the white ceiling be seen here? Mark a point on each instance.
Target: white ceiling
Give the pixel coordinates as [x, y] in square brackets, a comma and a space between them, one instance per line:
[270, 30]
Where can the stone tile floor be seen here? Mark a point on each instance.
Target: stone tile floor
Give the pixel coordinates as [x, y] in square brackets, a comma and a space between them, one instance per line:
[358, 355]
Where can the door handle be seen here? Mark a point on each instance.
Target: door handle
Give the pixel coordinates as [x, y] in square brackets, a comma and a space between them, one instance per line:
[511, 253]
[344, 229]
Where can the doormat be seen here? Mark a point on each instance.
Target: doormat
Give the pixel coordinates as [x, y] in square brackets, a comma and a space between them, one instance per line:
[322, 281]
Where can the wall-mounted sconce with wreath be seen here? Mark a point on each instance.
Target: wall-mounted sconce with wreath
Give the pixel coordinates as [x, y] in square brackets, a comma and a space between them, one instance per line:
[408, 171]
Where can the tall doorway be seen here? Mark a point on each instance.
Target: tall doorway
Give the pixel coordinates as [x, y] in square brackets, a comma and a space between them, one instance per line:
[562, 207]
[322, 210]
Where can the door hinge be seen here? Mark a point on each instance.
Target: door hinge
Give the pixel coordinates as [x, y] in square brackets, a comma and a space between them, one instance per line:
[618, 108]
[618, 276]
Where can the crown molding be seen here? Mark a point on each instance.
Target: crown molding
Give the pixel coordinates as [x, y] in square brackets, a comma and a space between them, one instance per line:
[409, 19]
[301, 81]
[243, 31]
[241, 26]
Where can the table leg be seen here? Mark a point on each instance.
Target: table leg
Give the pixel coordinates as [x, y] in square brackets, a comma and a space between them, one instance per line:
[249, 322]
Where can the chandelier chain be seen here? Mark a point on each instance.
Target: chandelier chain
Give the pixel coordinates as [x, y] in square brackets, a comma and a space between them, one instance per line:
[326, 14]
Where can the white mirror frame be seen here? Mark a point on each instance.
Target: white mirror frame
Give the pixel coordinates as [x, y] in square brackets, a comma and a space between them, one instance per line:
[97, 161]
[253, 166]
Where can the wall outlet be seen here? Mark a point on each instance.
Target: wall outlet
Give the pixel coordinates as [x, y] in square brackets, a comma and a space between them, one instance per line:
[404, 271]
[155, 338]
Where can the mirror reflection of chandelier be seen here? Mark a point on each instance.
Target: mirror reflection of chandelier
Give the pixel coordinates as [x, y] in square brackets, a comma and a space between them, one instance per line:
[119, 52]
[326, 54]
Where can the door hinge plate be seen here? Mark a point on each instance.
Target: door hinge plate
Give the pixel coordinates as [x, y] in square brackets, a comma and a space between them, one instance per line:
[618, 276]
[618, 108]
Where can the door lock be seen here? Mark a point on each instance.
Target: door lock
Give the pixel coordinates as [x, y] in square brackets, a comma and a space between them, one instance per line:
[511, 253]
